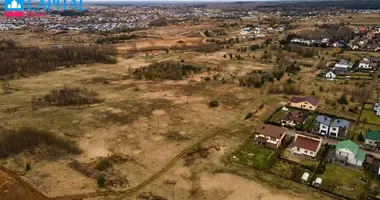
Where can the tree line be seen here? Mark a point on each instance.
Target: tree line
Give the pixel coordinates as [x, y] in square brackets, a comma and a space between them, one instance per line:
[23, 61]
[116, 39]
[165, 70]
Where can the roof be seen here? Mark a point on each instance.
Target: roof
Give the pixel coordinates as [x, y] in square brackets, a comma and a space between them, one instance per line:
[273, 131]
[309, 99]
[373, 135]
[349, 145]
[323, 120]
[369, 160]
[340, 123]
[360, 155]
[306, 143]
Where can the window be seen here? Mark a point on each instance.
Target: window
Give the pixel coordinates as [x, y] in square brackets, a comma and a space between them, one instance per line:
[340, 153]
[310, 107]
[298, 149]
[311, 153]
[306, 151]
[273, 138]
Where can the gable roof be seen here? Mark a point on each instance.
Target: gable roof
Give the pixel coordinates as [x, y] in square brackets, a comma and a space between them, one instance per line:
[273, 131]
[323, 120]
[306, 142]
[373, 135]
[340, 123]
[309, 99]
[360, 155]
[351, 146]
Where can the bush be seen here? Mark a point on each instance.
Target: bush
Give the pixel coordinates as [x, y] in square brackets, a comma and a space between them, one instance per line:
[213, 103]
[101, 181]
[104, 164]
[249, 115]
[343, 100]
[28, 167]
[16, 141]
[360, 137]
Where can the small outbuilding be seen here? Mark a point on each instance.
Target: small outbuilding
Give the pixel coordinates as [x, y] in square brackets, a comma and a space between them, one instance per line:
[305, 176]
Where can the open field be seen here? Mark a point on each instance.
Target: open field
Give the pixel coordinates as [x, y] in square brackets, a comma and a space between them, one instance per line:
[348, 184]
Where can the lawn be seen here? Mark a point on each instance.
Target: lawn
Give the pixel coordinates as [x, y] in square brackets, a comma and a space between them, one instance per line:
[309, 123]
[368, 106]
[282, 168]
[368, 116]
[298, 159]
[344, 181]
[277, 117]
[252, 154]
[355, 130]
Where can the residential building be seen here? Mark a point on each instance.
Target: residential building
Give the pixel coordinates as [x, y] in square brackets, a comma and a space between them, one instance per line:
[376, 108]
[294, 118]
[323, 124]
[364, 65]
[339, 128]
[342, 65]
[330, 75]
[372, 138]
[270, 136]
[307, 103]
[306, 145]
[348, 152]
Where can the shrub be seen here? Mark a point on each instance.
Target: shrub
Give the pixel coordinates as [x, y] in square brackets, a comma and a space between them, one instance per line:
[213, 103]
[104, 164]
[16, 141]
[249, 115]
[343, 100]
[207, 79]
[360, 137]
[101, 181]
[28, 167]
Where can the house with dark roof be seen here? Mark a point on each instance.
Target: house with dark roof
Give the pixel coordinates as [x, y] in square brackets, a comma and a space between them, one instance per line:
[307, 103]
[270, 136]
[306, 145]
[347, 152]
[323, 124]
[372, 138]
[294, 118]
[339, 128]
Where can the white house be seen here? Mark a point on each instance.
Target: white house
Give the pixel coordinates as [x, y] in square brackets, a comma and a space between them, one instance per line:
[306, 145]
[364, 65]
[330, 75]
[339, 128]
[323, 124]
[348, 152]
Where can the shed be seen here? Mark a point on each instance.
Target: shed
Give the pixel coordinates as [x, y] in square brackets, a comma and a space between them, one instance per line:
[317, 182]
[305, 176]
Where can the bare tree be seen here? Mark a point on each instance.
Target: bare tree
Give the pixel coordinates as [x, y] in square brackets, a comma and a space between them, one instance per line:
[6, 87]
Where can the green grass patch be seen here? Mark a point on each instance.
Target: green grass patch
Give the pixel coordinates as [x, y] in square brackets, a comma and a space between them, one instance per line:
[368, 106]
[278, 116]
[252, 154]
[298, 159]
[17, 141]
[368, 116]
[343, 181]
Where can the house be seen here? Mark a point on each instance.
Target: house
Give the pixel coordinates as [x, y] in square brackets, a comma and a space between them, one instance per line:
[294, 118]
[307, 103]
[348, 152]
[342, 65]
[270, 136]
[306, 145]
[364, 65]
[323, 124]
[330, 75]
[376, 108]
[372, 138]
[339, 128]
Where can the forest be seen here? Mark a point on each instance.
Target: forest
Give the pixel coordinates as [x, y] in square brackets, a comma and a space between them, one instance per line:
[16, 60]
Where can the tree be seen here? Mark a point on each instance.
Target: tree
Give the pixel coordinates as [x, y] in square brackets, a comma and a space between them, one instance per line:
[213, 103]
[321, 89]
[207, 34]
[6, 87]
[343, 100]
[360, 137]
[101, 181]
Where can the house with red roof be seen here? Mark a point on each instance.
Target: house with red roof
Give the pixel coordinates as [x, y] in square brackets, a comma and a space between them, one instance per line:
[306, 145]
[306, 103]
